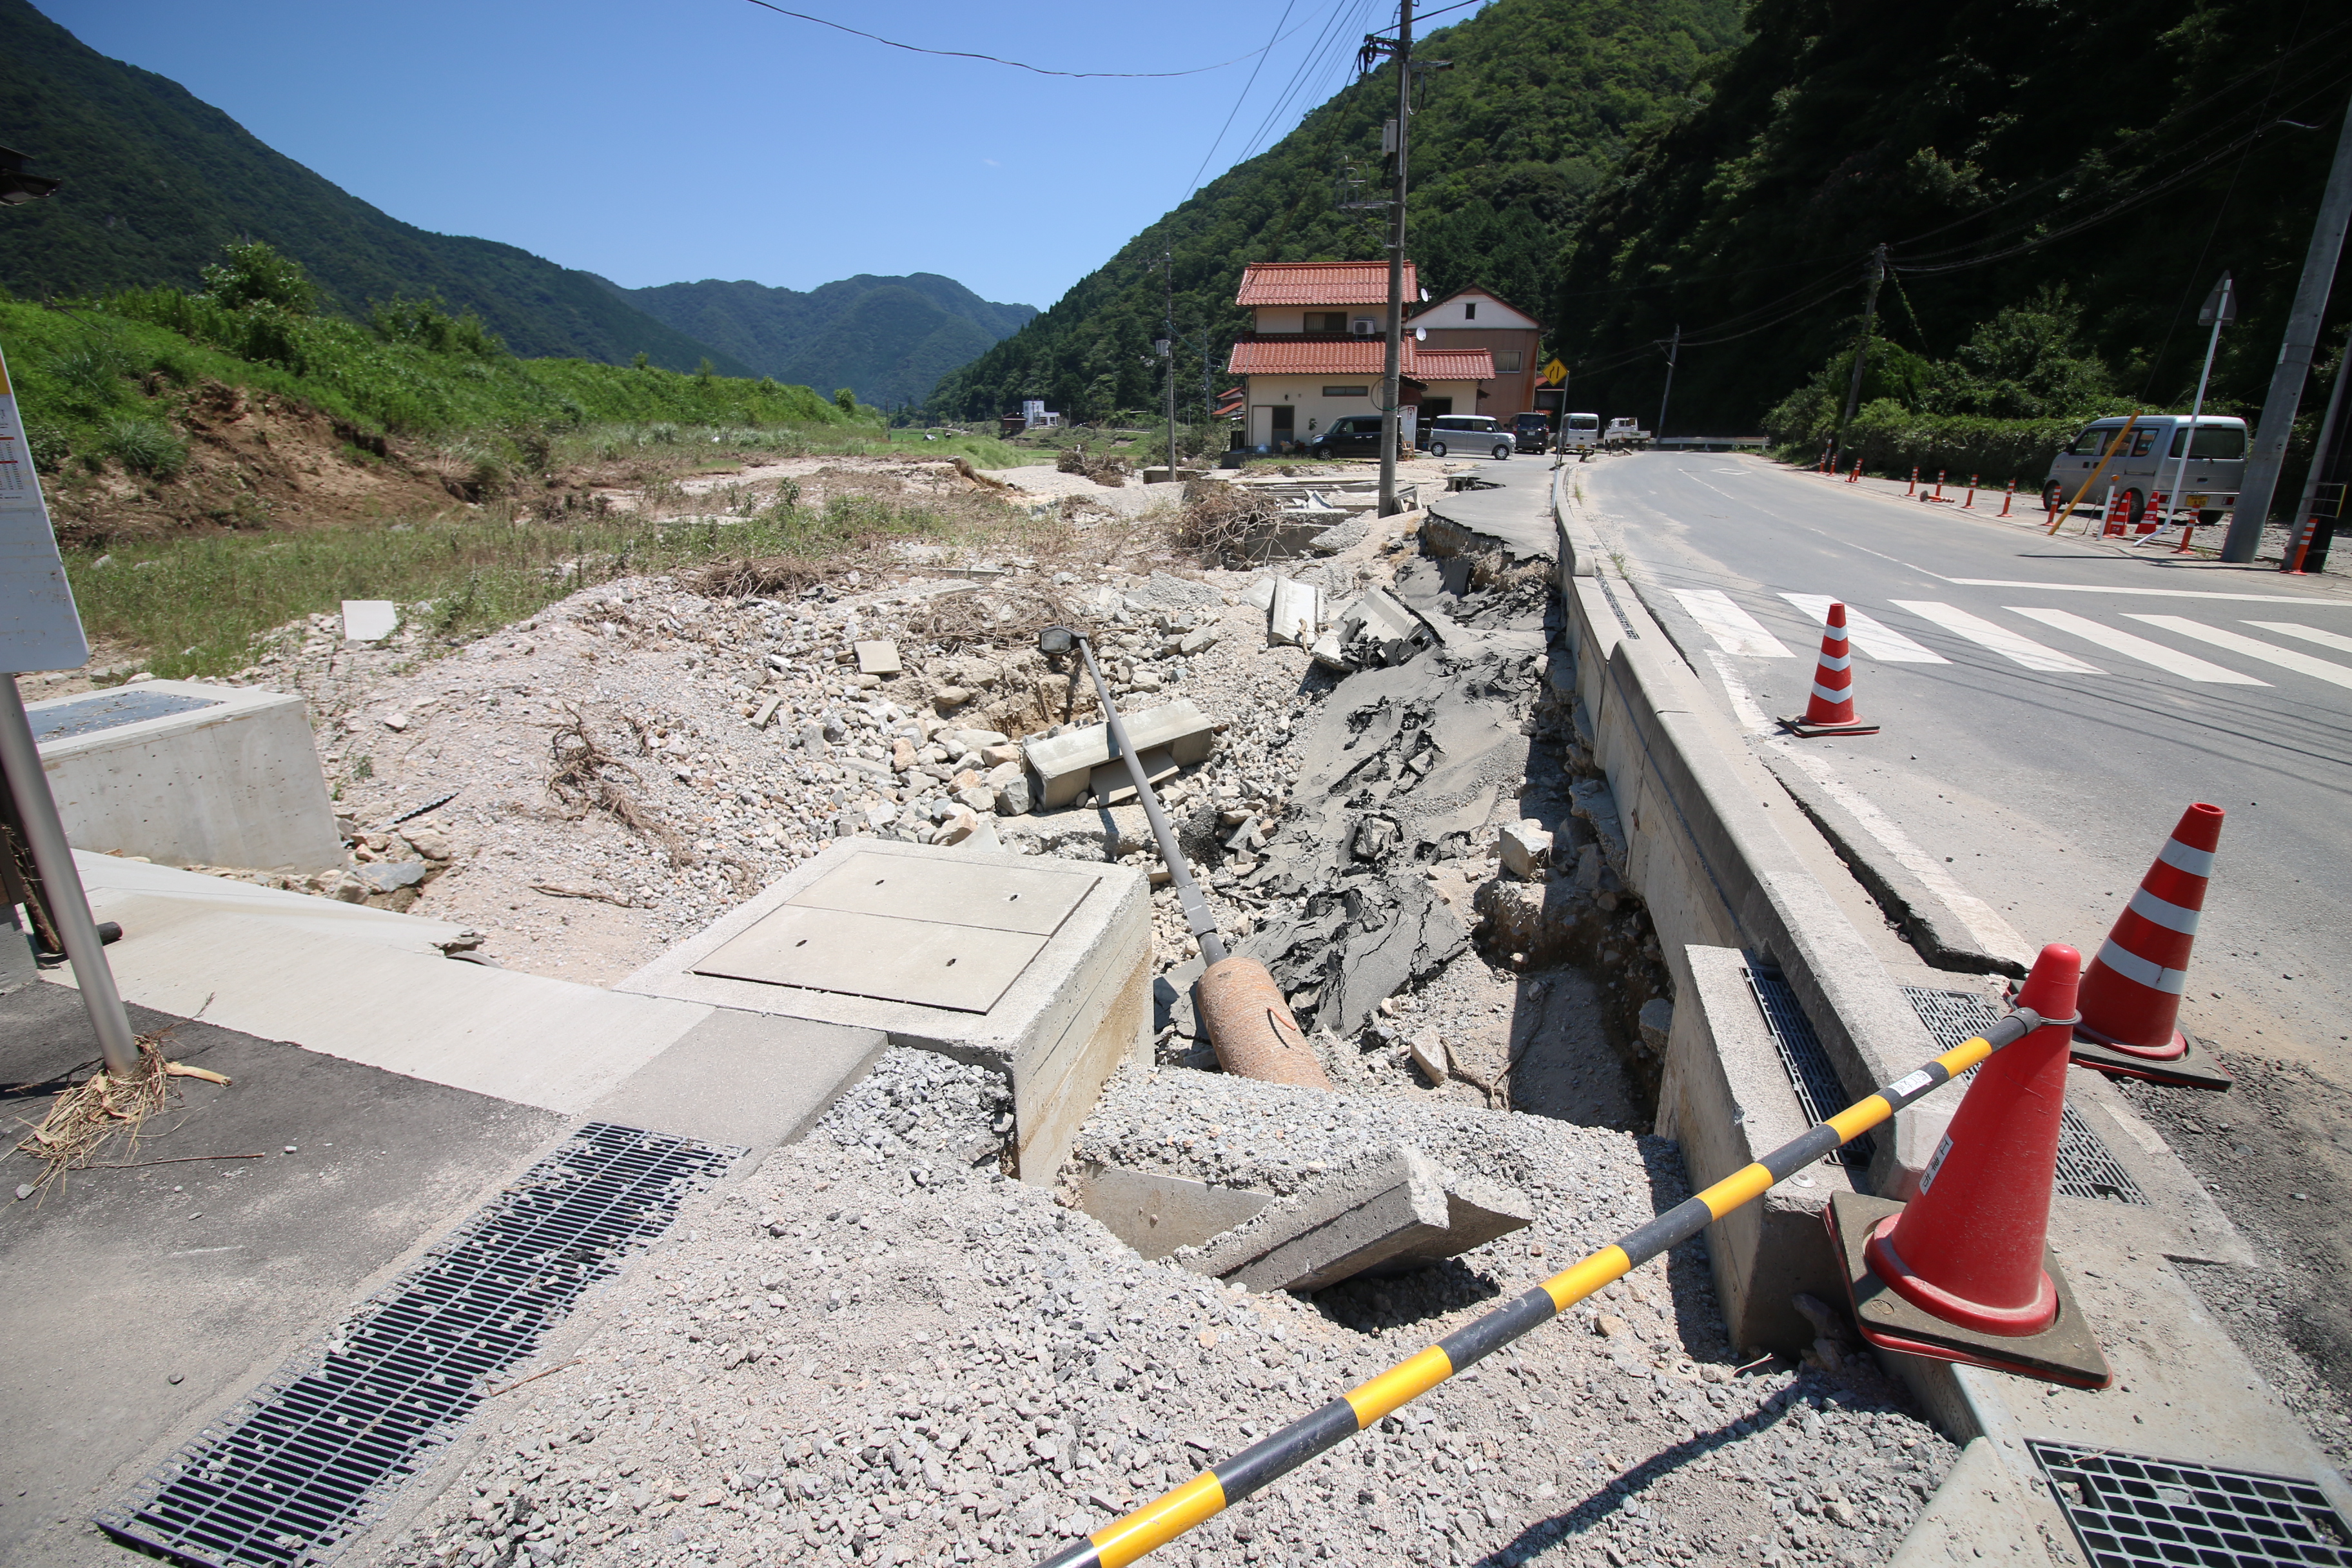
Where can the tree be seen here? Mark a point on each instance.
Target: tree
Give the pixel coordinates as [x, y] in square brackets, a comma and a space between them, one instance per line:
[251, 273]
[845, 399]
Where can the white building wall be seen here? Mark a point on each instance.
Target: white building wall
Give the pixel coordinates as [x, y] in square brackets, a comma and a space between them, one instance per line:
[1312, 411]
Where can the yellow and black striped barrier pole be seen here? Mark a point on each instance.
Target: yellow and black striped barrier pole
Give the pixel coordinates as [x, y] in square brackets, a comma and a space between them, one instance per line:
[1255, 1468]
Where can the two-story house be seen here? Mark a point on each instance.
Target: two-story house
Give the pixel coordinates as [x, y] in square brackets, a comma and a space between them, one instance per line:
[1473, 318]
[1316, 351]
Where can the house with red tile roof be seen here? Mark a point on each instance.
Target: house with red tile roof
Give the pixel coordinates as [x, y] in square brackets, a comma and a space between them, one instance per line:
[1316, 351]
[1476, 318]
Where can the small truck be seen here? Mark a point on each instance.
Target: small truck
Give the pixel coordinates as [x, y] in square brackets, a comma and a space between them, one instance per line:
[1625, 435]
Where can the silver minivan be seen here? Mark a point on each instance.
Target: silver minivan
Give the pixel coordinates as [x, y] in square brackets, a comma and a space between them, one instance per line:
[2150, 463]
[1467, 432]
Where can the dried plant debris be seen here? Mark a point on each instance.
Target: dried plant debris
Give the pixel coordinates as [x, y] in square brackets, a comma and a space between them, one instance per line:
[587, 777]
[83, 1118]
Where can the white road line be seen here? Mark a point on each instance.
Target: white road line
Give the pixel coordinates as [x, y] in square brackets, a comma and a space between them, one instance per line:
[1992, 934]
[2308, 634]
[2254, 647]
[2150, 592]
[2187, 665]
[2014, 646]
[1733, 629]
[1868, 635]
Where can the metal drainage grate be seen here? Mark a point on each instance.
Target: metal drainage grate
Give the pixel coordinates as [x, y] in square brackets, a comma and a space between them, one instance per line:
[300, 1463]
[2086, 1168]
[2128, 1511]
[1810, 1071]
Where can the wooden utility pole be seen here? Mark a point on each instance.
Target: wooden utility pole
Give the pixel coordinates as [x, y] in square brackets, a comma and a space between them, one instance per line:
[1861, 356]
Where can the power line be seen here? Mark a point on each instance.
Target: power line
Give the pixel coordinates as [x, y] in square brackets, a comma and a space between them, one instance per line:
[997, 60]
[1194, 183]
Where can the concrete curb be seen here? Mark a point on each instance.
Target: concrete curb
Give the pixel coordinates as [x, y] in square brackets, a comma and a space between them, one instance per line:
[1929, 924]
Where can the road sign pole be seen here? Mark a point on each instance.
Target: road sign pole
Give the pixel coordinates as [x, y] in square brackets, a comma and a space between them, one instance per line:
[2279, 405]
[2221, 308]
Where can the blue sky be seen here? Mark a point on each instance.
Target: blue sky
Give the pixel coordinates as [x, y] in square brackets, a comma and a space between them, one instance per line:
[673, 139]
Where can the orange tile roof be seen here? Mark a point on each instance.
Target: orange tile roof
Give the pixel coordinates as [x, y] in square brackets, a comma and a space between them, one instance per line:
[1282, 354]
[1322, 283]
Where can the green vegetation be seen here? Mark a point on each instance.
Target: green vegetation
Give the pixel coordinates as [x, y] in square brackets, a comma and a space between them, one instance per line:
[890, 338]
[1509, 148]
[2129, 152]
[156, 183]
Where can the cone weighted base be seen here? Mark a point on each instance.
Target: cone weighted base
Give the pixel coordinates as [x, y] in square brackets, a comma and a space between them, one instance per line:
[2065, 1353]
[1801, 727]
[2193, 1068]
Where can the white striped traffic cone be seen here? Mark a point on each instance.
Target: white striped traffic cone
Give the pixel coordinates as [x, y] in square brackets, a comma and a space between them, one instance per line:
[1830, 709]
[2131, 994]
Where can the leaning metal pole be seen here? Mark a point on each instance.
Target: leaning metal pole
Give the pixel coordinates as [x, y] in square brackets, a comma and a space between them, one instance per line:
[69, 905]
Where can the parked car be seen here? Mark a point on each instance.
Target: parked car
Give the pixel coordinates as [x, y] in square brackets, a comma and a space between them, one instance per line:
[1532, 432]
[1580, 432]
[1356, 435]
[1469, 432]
[2151, 463]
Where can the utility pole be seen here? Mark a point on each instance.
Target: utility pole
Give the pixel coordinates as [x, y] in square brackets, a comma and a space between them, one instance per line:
[1168, 347]
[1392, 358]
[1674, 353]
[2301, 337]
[1861, 356]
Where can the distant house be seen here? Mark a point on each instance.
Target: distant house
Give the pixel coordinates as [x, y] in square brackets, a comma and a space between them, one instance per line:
[1316, 351]
[1472, 319]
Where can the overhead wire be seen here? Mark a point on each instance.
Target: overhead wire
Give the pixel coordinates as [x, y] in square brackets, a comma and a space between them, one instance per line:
[996, 59]
[1194, 183]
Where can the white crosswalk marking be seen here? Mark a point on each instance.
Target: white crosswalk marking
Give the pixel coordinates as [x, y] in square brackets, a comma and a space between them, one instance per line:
[2309, 634]
[2014, 646]
[1733, 629]
[2187, 665]
[1868, 635]
[2253, 648]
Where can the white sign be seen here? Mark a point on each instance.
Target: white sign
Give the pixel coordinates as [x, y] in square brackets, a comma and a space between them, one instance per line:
[39, 628]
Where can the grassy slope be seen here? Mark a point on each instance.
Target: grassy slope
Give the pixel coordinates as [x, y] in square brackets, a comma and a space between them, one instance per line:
[1947, 131]
[1509, 148]
[157, 182]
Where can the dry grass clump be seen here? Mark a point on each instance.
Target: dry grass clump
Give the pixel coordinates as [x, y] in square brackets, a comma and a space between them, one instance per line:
[82, 1117]
[767, 577]
[1222, 521]
[957, 621]
[587, 777]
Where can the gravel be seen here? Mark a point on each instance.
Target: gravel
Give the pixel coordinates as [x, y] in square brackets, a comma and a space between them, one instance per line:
[874, 1349]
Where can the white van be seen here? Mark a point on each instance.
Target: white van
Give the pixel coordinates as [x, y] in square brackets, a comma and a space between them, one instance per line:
[1579, 433]
[2150, 463]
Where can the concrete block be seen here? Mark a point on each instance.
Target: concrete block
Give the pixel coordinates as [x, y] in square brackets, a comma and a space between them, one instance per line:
[1259, 595]
[1157, 1213]
[1112, 785]
[369, 620]
[186, 774]
[1065, 764]
[1430, 1055]
[1296, 611]
[1328, 652]
[1060, 992]
[1391, 1213]
[1382, 617]
[877, 658]
[1525, 847]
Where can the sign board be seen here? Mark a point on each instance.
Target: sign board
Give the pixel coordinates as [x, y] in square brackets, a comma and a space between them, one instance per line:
[39, 628]
[1554, 375]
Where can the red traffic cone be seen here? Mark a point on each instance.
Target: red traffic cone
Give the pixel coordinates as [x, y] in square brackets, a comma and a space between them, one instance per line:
[1830, 709]
[2131, 996]
[1964, 1272]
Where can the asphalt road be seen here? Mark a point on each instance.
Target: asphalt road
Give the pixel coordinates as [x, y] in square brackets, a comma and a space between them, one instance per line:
[2049, 710]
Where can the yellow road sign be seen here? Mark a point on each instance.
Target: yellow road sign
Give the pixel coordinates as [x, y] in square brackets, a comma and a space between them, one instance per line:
[1554, 375]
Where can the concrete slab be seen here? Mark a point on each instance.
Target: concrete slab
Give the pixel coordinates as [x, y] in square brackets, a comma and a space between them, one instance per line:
[141, 895]
[749, 1079]
[1065, 764]
[877, 658]
[369, 620]
[1076, 1010]
[189, 774]
[1296, 612]
[1157, 1213]
[187, 1283]
[1514, 516]
[1391, 1213]
[546, 1043]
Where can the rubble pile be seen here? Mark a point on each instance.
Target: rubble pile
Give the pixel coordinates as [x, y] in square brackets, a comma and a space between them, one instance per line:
[874, 1349]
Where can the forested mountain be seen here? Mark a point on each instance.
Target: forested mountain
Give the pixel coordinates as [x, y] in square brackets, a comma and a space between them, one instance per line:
[888, 339]
[1508, 149]
[2058, 187]
[157, 182]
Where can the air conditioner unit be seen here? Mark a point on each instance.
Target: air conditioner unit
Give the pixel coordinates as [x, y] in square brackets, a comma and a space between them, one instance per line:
[1365, 326]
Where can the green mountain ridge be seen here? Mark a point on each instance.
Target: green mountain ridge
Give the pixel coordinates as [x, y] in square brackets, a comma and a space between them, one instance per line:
[1509, 148]
[157, 180]
[888, 339]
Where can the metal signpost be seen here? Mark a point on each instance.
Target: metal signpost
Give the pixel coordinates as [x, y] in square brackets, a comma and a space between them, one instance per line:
[39, 629]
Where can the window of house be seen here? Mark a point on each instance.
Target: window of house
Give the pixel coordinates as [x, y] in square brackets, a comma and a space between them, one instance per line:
[1507, 362]
[1347, 392]
[1330, 322]
[1469, 309]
